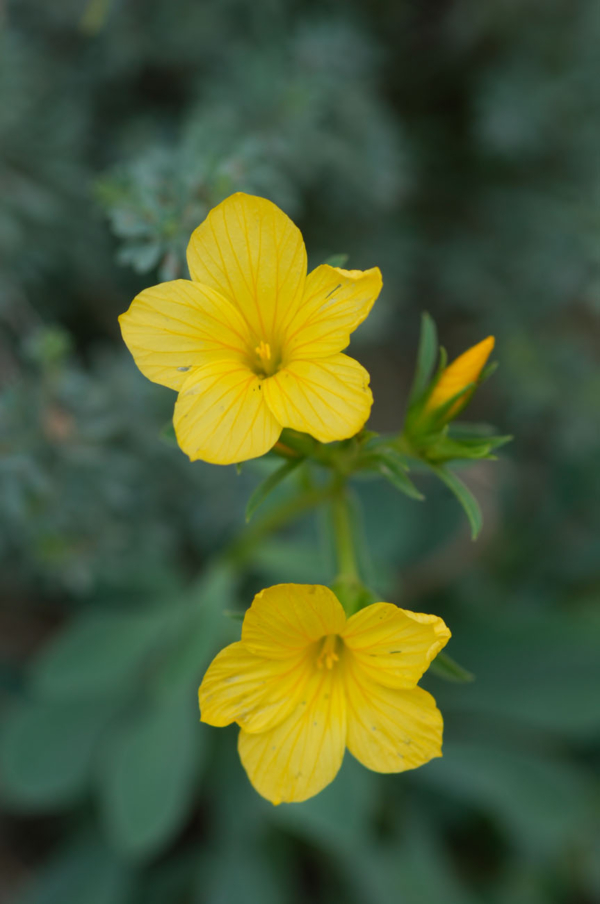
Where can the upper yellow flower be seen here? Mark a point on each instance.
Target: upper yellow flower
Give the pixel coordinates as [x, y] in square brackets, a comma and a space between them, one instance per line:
[305, 682]
[252, 344]
[465, 369]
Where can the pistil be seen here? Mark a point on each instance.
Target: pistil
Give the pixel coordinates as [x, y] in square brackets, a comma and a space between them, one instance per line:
[328, 656]
[267, 365]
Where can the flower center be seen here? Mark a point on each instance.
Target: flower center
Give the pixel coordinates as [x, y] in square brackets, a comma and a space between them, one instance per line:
[265, 364]
[327, 656]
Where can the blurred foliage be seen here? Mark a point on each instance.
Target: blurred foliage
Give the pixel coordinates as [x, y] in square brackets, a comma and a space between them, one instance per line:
[457, 146]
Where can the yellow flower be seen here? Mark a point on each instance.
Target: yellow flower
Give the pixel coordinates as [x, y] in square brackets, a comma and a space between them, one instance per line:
[465, 369]
[305, 682]
[252, 344]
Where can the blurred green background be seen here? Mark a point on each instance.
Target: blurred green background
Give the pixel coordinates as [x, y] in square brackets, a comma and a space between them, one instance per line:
[455, 144]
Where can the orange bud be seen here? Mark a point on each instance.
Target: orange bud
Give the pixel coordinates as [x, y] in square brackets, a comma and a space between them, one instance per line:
[464, 370]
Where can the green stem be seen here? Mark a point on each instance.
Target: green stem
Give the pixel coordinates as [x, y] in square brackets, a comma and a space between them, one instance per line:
[348, 587]
[344, 537]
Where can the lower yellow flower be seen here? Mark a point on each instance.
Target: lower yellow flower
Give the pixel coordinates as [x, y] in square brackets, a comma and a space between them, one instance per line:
[305, 682]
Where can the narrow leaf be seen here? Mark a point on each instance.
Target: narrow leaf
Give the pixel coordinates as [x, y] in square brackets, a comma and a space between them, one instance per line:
[445, 667]
[426, 358]
[464, 496]
[398, 478]
[267, 486]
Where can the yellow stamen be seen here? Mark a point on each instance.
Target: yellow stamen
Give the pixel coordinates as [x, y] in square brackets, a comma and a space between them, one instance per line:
[327, 657]
[263, 351]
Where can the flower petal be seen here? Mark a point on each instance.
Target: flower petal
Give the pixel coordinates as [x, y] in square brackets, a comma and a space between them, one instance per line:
[179, 325]
[328, 398]
[335, 302]
[252, 253]
[253, 691]
[285, 619]
[389, 730]
[221, 415]
[394, 646]
[301, 755]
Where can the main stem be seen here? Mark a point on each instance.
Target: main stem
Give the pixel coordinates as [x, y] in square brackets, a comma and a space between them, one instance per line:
[343, 537]
[348, 586]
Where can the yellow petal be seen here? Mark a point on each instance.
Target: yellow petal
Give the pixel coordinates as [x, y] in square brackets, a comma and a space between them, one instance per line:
[252, 253]
[335, 302]
[253, 691]
[389, 730]
[284, 620]
[328, 398]
[394, 646]
[464, 370]
[176, 326]
[221, 415]
[301, 755]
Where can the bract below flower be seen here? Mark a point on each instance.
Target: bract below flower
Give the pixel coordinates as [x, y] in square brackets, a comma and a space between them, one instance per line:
[305, 682]
[251, 343]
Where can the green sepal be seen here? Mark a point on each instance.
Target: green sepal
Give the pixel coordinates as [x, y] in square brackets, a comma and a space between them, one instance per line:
[443, 666]
[450, 448]
[267, 486]
[300, 443]
[464, 496]
[424, 427]
[167, 434]
[352, 594]
[426, 355]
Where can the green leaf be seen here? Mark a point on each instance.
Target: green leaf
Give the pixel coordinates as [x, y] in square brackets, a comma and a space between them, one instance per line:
[148, 776]
[337, 260]
[426, 358]
[392, 467]
[267, 486]
[203, 632]
[464, 496]
[445, 667]
[553, 679]
[86, 872]
[338, 818]
[242, 870]
[541, 799]
[99, 654]
[47, 750]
